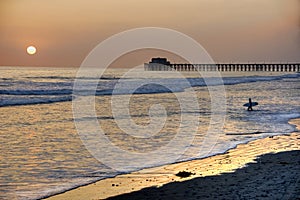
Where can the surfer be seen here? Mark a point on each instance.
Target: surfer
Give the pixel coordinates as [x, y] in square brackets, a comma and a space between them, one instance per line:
[250, 105]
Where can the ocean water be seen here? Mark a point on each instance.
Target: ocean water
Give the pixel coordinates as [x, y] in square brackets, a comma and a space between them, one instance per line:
[43, 148]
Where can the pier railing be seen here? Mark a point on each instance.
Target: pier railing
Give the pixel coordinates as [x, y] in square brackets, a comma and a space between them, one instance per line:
[223, 67]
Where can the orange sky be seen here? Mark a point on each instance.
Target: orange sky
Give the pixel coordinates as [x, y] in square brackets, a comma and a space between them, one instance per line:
[65, 31]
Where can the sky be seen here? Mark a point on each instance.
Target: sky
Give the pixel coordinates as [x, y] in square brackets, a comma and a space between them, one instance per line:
[65, 31]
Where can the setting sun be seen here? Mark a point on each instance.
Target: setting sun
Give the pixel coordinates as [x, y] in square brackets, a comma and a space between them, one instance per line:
[31, 50]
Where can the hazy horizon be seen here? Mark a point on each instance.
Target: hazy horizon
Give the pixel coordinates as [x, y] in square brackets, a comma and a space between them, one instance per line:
[64, 32]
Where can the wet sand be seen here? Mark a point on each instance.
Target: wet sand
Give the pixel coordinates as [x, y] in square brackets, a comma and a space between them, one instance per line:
[267, 168]
[274, 176]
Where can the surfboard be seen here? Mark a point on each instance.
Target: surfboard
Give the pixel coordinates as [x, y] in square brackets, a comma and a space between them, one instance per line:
[252, 104]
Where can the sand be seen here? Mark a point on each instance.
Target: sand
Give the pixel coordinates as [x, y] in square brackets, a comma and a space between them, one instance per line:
[274, 176]
[267, 168]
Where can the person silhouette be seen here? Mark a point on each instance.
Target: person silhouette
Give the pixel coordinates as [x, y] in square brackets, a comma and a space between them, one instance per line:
[250, 105]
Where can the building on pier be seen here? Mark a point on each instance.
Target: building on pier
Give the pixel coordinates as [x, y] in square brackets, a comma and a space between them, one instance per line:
[162, 64]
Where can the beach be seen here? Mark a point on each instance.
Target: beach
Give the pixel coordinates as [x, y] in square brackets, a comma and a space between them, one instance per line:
[266, 168]
[45, 154]
[149, 100]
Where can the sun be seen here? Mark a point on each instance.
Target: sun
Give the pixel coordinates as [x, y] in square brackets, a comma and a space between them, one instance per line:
[31, 50]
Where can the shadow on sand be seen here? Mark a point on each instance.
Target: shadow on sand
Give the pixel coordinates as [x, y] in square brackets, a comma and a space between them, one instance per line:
[273, 176]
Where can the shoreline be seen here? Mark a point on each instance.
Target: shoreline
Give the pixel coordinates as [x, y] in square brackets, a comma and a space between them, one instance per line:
[271, 176]
[233, 160]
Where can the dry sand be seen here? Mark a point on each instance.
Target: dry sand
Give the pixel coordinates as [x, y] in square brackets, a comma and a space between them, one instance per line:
[237, 174]
[275, 176]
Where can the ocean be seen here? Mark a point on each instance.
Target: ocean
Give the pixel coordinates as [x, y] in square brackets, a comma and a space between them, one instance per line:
[47, 147]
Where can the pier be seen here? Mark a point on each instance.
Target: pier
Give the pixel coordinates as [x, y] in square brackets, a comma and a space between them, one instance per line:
[161, 64]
